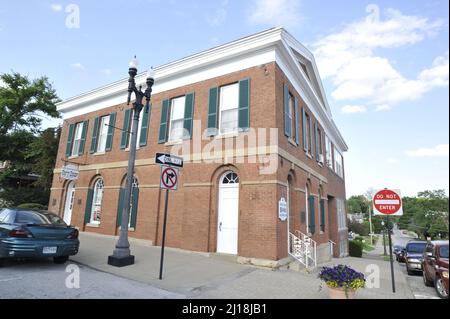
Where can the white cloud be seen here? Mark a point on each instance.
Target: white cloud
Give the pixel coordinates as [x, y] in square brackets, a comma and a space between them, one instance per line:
[56, 7]
[437, 151]
[348, 58]
[106, 71]
[275, 12]
[220, 15]
[351, 109]
[78, 66]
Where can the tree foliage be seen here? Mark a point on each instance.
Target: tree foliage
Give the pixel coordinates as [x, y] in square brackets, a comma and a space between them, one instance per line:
[28, 151]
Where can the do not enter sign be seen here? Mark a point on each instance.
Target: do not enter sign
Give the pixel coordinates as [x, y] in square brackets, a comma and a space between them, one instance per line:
[387, 202]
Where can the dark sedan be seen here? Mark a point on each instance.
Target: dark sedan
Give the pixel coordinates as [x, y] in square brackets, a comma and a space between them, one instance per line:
[27, 233]
[414, 256]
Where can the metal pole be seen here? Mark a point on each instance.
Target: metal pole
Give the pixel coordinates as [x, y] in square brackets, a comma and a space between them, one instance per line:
[370, 224]
[384, 242]
[390, 255]
[121, 255]
[161, 264]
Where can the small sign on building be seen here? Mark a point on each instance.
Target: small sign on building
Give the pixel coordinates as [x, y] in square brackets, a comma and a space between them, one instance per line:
[70, 172]
[282, 209]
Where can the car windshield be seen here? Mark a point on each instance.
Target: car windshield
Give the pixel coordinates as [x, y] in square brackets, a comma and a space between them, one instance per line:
[38, 218]
[443, 252]
[416, 248]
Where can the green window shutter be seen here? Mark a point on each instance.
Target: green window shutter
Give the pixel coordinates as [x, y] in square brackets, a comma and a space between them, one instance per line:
[244, 105]
[163, 126]
[144, 127]
[109, 138]
[212, 111]
[312, 215]
[305, 130]
[94, 136]
[70, 140]
[120, 206]
[125, 130]
[287, 121]
[297, 123]
[316, 130]
[322, 215]
[88, 210]
[83, 137]
[134, 207]
[188, 115]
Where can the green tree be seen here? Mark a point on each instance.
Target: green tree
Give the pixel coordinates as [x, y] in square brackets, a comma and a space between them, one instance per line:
[28, 152]
[358, 205]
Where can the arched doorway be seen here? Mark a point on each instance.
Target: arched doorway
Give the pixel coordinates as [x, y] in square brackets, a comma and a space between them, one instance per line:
[228, 216]
[68, 207]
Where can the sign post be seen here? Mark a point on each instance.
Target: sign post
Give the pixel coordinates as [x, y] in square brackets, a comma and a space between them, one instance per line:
[388, 203]
[168, 181]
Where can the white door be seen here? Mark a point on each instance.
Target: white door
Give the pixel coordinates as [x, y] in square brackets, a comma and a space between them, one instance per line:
[227, 230]
[69, 203]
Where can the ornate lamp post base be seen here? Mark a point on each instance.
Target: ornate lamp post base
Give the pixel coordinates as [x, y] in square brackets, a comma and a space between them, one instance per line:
[120, 261]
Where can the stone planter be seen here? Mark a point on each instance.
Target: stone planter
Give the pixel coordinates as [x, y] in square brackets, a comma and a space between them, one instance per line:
[339, 293]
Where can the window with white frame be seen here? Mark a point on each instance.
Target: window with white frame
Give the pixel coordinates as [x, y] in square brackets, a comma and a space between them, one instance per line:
[229, 107]
[96, 213]
[291, 115]
[77, 139]
[176, 125]
[338, 163]
[102, 133]
[342, 224]
[328, 150]
[309, 133]
[141, 116]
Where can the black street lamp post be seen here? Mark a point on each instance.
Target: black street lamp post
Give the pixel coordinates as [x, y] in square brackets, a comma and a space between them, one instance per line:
[122, 255]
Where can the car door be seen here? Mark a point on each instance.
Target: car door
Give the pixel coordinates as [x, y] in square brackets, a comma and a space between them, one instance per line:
[428, 262]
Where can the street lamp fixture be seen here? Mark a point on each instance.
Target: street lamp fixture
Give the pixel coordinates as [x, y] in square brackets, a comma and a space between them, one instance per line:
[122, 255]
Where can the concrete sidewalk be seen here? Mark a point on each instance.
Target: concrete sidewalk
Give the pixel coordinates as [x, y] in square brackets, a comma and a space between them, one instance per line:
[203, 275]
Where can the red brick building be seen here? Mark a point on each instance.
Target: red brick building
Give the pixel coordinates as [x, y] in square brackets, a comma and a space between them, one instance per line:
[252, 122]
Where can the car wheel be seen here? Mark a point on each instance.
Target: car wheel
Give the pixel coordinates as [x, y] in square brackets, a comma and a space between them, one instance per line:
[426, 281]
[440, 288]
[2, 262]
[60, 259]
[409, 271]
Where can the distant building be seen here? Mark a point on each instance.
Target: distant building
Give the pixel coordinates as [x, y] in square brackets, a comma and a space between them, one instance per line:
[357, 218]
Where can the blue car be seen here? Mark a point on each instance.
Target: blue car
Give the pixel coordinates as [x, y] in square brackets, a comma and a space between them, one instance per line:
[28, 233]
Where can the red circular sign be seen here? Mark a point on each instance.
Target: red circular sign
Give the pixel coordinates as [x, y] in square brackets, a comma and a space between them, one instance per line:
[169, 178]
[387, 202]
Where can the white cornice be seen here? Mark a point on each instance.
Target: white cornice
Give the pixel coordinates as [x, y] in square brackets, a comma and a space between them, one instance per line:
[273, 45]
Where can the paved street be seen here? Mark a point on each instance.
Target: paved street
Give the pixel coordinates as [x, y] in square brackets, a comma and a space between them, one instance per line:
[44, 279]
[415, 282]
[187, 274]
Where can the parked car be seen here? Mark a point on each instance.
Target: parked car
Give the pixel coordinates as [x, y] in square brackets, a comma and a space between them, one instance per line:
[401, 256]
[29, 233]
[414, 256]
[397, 251]
[435, 267]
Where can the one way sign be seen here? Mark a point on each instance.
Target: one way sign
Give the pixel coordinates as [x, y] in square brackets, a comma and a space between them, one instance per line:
[167, 159]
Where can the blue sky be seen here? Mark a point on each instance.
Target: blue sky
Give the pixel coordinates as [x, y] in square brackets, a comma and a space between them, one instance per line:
[384, 64]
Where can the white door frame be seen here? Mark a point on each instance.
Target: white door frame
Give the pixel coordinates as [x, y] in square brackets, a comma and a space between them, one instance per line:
[222, 186]
[68, 205]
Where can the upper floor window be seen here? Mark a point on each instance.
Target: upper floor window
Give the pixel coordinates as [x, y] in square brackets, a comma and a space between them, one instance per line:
[291, 115]
[308, 134]
[228, 108]
[328, 150]
[176, 125]
[77, 137]
[103, 133]
[141, 115]
[319, 144]
[338, 163]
